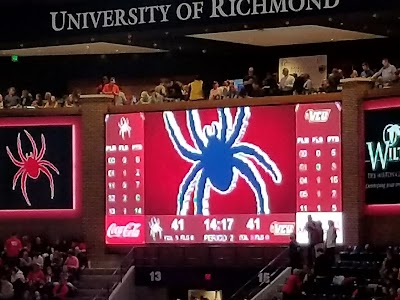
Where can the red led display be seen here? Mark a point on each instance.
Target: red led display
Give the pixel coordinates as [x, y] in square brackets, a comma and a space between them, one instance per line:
[205, 176]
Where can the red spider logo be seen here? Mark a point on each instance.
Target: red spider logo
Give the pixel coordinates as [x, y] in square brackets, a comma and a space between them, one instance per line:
[31, 165]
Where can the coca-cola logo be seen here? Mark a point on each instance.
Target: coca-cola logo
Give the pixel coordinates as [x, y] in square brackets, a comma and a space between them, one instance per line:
[130, 230]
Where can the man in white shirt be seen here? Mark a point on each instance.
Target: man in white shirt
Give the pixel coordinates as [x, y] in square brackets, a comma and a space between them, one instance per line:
[387, 73]
[330, 242]
[286, 83]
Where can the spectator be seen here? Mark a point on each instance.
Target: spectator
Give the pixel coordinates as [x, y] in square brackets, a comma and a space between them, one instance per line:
[26, 244]
[311, 228]
[12, 248]
[68, 102]
[256, 91]
[156, 97]
[100, 87]
[52, 103]
[330, 243]
[298, 86]
[248, 80]
[72, 264]
[26, 98]
[38, 259]
[56, 261]
[38, 102]
[295, 253]
[286, 83]
[196, 89]
[38, 245]
[322, 265]
[308, 85]
[18, 282]
[232, 90]
[161, 87]
[60, 290]
[366, 72]
[319, 235]
[386, 74]
[36, 278]
[334, 81]
[6, 289]
[354, 74]
[111, 88]
[11, 99]
[25, 262]
[216, 92]
[1, 102]
[292, 289]
[174, 90]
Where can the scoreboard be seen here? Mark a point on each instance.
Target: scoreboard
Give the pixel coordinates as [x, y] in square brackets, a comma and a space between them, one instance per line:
[227, 176]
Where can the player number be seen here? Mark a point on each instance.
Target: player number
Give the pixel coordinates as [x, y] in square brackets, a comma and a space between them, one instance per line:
[111, 211]
[124, 185]
[303, 208]
[334, 207]
[111, 173]
[111, 160]
[111, 198]
[334, 193]
[334, 179]
[333, 152]
[137, 183]
[303, 167]
[303, 194]
[253, 224]
[264, 277]
[319, 194]
[318, 167]
[124, 160]
[111, 185]
[125, 211]
[318, 153]
[303, 180]
[334, 166]
[319, 207]
[155, 276]
[138, 210]
[124, 198]
[124, 172]
[303, 153]
[137, 159]
[318, 179]
[178, 224]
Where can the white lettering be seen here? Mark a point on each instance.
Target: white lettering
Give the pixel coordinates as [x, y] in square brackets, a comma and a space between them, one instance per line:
[197, 9]
[328, 5]
[164, 10]
[301, 5]
[279, 7]
[216, 10]
[130, 230]
[54, 21]
[187, 10]
[73, 20]
[120, 18]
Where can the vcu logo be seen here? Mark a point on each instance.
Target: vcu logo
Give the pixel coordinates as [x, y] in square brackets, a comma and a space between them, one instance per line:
[317, 116]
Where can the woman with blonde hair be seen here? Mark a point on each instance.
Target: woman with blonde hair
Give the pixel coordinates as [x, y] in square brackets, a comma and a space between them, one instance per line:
[52, 103]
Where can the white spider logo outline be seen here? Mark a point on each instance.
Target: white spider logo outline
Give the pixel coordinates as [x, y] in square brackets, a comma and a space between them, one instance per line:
[124, 127]
[155, 228]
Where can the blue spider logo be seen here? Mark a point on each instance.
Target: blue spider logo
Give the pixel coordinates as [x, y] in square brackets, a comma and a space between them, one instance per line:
[218, 159]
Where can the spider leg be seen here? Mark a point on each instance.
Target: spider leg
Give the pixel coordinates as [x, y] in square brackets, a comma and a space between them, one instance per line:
[195, 130]
[50, 177]
[201, 203]
[261, 158]
[16, 176]
[224, 124]
[33, 143]
[185, 189]
[23, 188]
[175, 134]
[48, 164]
[19, 148]
[14, 161]
[240, 125]
[249, 172]
[43, 149]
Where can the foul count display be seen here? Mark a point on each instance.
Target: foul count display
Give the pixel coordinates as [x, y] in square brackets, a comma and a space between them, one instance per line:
[228, 175]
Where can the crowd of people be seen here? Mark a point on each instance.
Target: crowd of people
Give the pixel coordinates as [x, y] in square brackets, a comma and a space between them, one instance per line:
[35, 269]
[288, 84]
[250, 86]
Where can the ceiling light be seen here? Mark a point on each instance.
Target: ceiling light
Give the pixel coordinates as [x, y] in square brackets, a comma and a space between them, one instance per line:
[374, 15]
[341, 24]
[92, 39]
[180, 47]
[245, 26]
[287, 22]
[330, 19]
[116, 50]
[204, 51]
[166, 33]
[87, 46]
[21, 45]
[155, 45]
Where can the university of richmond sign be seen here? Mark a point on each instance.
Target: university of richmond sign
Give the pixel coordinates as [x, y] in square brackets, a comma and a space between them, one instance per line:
[184, 11]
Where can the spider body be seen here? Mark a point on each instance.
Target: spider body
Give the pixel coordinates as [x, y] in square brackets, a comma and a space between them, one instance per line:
[219, 158]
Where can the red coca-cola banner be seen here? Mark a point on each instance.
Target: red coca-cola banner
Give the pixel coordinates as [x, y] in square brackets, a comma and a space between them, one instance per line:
[125, 230]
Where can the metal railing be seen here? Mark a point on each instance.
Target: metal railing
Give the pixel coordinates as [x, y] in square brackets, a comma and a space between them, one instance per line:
[121, 270]
[263, 277]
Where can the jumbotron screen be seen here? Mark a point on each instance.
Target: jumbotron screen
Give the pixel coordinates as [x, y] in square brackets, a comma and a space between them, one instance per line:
[222, 176]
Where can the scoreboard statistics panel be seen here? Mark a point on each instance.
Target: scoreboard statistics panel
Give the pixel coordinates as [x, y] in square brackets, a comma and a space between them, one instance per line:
[208, 176]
